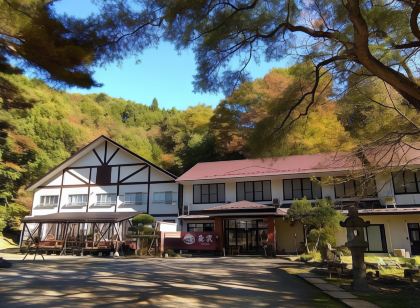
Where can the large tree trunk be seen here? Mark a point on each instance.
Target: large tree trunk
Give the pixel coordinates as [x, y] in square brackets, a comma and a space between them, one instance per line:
[410, 90]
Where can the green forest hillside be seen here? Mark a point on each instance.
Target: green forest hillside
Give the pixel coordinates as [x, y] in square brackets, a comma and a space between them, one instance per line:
[57, 124]
[42, 126]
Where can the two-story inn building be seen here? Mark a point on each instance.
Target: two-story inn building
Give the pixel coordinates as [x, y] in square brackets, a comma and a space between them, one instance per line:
[246, 201]
[243, 202]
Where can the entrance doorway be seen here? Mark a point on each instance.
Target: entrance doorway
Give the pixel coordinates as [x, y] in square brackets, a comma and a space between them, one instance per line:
[245, 236]
[414, 234]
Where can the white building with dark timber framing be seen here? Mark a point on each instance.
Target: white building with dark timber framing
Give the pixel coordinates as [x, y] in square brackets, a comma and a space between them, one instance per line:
[104, 176]
[86, 203]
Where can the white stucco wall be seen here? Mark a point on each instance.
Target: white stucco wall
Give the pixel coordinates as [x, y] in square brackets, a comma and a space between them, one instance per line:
[396, 230]
[73, 185]
[383, 184]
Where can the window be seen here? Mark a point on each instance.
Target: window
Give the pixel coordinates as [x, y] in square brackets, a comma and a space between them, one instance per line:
[253, 191]
[103, 175]
[139, 198]
[49, 201]
[299, 188]
[209, 193]
[200, 227]
[106, 199]
[406, 182]
[375, 236]
[78, 199]
[165, 197]
[355, 188]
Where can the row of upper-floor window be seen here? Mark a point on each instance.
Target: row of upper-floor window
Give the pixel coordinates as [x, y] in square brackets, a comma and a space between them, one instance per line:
[133, 198]
[405, 182]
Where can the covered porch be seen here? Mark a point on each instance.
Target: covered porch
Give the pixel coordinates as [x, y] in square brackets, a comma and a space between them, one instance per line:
[243, 227]
[75, 233]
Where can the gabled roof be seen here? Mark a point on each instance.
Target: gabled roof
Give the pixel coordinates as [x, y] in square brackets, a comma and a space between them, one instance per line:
[302, 164]
[84, 150]
[267, 166]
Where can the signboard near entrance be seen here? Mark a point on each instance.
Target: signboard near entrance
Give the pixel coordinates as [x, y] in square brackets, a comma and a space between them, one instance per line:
[191, 240]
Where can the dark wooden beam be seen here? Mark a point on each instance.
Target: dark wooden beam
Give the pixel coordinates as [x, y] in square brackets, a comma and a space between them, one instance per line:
[118, 186]
[97, 156]
[133, 173]
[77, 177]
[111, 184]
[112, 156]
[88, 198]
[61, 192]
[106, 149]
[148, 191]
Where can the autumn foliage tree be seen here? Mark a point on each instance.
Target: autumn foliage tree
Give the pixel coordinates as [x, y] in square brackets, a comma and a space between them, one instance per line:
[247, 121]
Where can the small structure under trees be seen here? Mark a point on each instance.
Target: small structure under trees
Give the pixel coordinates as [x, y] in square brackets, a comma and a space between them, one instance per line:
[75, 233]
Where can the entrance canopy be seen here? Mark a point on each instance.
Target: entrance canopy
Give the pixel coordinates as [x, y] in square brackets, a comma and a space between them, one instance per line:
[240, 207]
[82, 217]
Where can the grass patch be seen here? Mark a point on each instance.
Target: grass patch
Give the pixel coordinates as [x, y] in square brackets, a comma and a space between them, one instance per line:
[311, 257]
[390, 293]
[390, 290]
[6, 243]
[395, 297]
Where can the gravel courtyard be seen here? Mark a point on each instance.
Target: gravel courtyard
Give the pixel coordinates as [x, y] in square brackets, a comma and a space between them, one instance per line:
[192, 282]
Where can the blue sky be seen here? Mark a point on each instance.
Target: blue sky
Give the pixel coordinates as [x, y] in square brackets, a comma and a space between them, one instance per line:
[162, 72]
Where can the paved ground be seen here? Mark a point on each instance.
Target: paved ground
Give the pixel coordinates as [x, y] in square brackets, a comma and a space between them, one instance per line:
[192, 282]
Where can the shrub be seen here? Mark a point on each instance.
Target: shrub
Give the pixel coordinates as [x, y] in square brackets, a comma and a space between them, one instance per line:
[3, 222]
[143, 219]
[312, 256]
[344, 250]
[15, 213]
[320, 222]
[11, 216]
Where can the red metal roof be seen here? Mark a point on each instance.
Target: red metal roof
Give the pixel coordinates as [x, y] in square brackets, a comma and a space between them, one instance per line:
[269, 166]
[301, 164]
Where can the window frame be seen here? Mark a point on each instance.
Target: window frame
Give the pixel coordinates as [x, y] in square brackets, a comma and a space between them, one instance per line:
[174, 197]
[301, 188]
[416, 179]
[49, 204]
[196, 224]
[355, 186]
[217, 193]
[383, 238]
[253, 191]
[112, 203]
[78, 203]
[143, 195]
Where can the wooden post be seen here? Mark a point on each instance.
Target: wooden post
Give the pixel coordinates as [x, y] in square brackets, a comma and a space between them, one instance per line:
[22, 235]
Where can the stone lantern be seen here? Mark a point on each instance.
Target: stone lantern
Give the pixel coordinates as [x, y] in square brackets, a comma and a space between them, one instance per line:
[356, 243]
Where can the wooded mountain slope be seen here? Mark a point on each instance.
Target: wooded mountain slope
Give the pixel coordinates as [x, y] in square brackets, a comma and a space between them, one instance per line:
[45, 126]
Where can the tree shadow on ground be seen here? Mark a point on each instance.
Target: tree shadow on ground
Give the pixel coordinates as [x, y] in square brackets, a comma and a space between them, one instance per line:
[197, 282]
